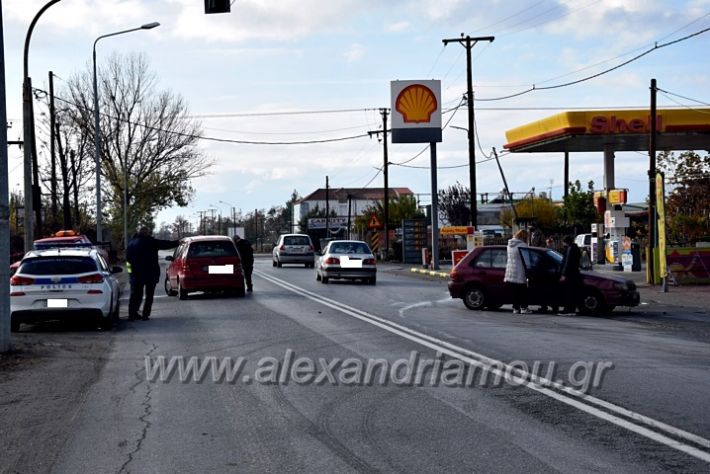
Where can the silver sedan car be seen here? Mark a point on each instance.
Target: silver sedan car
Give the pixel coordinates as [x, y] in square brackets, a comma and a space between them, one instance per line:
[347, 259]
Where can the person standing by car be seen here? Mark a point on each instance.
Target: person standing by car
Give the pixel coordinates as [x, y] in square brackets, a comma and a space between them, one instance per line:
[537, 238]
[570, 276]
[142, 256]
[515, 277]
[246, 253]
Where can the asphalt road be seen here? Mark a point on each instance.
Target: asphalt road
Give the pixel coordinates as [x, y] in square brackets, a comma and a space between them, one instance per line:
[646, 413]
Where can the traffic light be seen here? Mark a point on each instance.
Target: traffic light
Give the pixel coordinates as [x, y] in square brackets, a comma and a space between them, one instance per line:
[217, 6]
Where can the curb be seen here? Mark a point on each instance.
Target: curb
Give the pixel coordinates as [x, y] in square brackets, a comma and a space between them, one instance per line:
[432, 273]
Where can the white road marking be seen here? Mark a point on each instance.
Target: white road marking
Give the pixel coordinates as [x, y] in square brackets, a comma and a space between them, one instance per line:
[541, 385]
[127, 298]
[421, 304]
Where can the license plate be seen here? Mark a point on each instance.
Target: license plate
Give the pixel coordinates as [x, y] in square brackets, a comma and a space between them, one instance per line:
[57, 303]
[346, 262]
[220, 269]
[297, 250]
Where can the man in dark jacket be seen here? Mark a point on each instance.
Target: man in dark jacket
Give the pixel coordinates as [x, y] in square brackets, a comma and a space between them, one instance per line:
[570, 276]
[142, 255]
[246, 253]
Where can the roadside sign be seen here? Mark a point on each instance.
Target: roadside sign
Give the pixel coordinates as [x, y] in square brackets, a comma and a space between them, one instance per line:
[416, 111]
[374, 222]
[456, 230]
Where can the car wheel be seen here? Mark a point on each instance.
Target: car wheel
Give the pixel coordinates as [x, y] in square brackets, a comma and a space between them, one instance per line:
[106, 322]
[14, 325]
[182, 293]
[592, 303]
[324, 279]
[240, 292]
[372, 281]
[474, 298]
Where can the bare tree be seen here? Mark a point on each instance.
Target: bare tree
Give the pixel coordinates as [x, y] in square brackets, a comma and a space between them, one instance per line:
[148, 141]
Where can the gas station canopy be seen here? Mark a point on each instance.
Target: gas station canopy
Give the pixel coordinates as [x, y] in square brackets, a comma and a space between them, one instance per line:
[620, 130]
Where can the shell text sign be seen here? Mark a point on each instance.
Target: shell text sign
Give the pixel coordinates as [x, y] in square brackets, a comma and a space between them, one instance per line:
[416, 103]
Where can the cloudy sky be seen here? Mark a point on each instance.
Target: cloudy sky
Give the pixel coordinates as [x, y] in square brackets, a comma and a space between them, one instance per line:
[247, 73]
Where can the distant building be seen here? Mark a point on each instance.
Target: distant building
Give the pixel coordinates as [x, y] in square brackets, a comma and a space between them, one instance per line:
[361, 198]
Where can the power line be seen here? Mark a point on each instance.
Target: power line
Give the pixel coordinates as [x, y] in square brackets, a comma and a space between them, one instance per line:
[271, 114]
[682, 96]
[220, 140]
[655, 47]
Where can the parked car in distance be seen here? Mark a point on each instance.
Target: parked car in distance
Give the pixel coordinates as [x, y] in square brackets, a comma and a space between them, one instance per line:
[478, 281]
[347, 259]
[293, 248]
[208, 263]
[64, 284]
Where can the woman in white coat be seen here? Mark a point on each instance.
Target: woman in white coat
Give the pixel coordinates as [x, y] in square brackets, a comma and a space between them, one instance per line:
[515, 277]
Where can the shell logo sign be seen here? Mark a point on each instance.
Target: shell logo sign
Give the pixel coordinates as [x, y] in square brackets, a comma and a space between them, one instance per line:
[416, 112]
[416, 103]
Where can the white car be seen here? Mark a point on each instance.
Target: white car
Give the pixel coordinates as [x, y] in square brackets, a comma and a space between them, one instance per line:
[293, 248]
[349, 259]
[64, 284]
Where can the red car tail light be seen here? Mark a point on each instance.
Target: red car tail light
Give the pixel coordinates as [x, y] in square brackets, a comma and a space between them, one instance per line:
[332, 261]
[369, 261]
[20, 280]
[17, 293]
[310, 248]
[454, 275]
[93, 278]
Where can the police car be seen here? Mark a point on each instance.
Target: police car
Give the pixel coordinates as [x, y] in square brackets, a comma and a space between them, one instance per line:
[64, 284]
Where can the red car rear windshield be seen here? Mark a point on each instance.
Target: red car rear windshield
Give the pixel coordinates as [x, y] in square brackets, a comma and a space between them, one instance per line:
[212, 249]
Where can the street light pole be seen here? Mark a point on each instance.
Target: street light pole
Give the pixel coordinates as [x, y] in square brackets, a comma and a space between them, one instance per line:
[28, 129]
[97, 133]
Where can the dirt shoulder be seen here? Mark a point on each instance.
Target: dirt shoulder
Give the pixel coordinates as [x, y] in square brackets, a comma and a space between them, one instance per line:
[43, 382]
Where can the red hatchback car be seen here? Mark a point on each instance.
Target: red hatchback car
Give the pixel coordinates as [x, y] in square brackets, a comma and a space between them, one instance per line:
[208, 263]
[478, 280]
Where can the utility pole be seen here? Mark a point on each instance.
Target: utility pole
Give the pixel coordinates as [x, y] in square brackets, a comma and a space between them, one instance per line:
[52, 151]
[469, 42]
[385, 171]
[350, 212]
[5, 344]
[650, 264]
[327, 206]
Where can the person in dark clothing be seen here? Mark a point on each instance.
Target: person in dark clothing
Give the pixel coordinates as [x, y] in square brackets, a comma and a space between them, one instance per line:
[570, 276]
[246, 253]
[142, 255]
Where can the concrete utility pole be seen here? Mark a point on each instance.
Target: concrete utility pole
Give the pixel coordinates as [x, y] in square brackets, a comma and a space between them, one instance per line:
[52, 151]
[650, 264]
[385, 172]
[327, 206]
[469, 42]
[4, 210]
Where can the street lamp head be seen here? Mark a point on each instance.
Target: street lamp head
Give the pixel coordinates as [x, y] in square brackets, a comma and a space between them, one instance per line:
[150, 26]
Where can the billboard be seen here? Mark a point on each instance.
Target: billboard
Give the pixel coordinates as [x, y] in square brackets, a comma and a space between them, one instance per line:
[416, 111]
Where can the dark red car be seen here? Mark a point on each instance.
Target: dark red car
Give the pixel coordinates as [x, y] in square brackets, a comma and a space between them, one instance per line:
[478, 280]
[208, 263]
